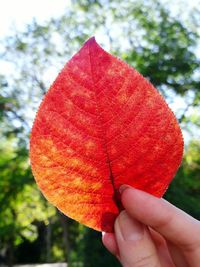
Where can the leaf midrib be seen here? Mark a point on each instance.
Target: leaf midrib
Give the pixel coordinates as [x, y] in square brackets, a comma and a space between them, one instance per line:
[116, 196]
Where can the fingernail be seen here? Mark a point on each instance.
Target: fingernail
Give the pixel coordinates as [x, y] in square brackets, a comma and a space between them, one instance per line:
[130, 228]
[123, 188]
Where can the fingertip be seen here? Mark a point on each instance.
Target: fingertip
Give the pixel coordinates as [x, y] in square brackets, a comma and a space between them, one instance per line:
[110, 243]
[127, 193]
[104, 237]
[103, 233]
[130, 194]
[139, 204]
[124, 191]
[123, 187]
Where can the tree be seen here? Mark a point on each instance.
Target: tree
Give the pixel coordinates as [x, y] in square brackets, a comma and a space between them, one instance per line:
[162, 47]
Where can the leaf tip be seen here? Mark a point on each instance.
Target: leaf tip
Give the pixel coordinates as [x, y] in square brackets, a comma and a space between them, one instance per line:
[91, 41]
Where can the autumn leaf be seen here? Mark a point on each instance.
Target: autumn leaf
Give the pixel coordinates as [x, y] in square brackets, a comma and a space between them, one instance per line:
[101, 125]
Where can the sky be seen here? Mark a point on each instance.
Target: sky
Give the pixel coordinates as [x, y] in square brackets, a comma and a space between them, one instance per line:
[17, 13]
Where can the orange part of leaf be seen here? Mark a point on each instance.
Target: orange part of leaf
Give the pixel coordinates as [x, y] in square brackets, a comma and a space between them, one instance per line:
[101, 125]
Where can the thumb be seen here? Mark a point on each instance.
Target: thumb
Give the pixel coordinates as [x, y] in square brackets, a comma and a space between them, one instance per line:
[135, 245]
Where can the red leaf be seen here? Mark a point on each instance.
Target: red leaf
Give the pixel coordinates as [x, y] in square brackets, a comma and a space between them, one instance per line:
[102, 125]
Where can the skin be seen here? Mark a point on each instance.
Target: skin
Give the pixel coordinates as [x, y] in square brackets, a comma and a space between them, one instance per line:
[151, 232]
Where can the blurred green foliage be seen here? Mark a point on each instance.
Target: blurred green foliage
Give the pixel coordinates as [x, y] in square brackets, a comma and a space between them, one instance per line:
[146, 35]
[184, 191]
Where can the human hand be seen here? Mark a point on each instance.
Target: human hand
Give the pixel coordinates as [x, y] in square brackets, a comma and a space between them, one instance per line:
[151, 232]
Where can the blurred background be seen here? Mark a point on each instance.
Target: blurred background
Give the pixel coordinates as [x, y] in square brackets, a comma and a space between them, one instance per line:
[161, 39]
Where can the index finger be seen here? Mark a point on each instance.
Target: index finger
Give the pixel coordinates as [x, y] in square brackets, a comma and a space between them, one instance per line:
[171, 222]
